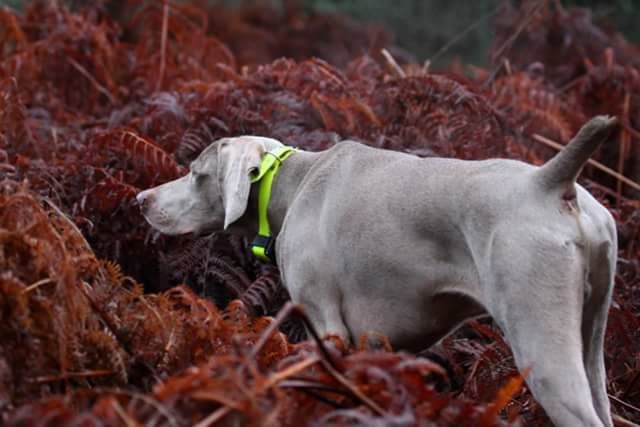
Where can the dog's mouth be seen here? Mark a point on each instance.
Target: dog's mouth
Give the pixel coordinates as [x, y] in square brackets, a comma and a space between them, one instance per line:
[176, 227]
[182, 222]
[207, 230]
[161, 222]
[204, 233]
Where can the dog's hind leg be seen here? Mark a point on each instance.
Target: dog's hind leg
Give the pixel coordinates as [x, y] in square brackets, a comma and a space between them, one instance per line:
[536, 296]
[594, 321]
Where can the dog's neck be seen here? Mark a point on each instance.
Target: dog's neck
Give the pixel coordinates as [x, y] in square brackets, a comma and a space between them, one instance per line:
[283, 192]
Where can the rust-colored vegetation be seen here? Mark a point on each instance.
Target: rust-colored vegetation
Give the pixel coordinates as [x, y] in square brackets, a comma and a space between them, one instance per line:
[105, 322]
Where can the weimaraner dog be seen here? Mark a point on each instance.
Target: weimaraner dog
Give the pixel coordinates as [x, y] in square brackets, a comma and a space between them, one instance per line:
[376, 240]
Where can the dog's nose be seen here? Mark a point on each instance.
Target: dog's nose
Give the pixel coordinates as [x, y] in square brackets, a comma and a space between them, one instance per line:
[144, 199]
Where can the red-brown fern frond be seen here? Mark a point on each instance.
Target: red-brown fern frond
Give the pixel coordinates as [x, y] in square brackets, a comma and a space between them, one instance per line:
[152, 163]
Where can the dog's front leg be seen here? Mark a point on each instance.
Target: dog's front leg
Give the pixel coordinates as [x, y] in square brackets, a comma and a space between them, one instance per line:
[320, 300]
[326, 318]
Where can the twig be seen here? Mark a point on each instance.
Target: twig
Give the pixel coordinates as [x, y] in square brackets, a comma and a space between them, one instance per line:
[103, 90]
[287, 310]
[571, 84]
[354, 390]
[69, 375]
[106, 319]
[623, 403]
[112, 327]
[495, 72]
[393, 64]
[610, 192]
[270, 382]
[169, 341]
[290, 371]
[625, 124]
[70, 223]
[593, 163]
[37, 285]
[135, 395]
[625, 141]
[619, 419]
[214, 417]
[215, 397]
[163, 43]
[507, 66]
[313, 388]
[305, 384]
[509, 43]
[120, 411]
[525, 22]
[426, 66]
[462, 34]
[623, 422]
[318, 396]
[632, 383]
[327, 361]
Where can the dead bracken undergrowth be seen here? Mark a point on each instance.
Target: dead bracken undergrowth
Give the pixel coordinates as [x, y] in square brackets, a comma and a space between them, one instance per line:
[105, 322]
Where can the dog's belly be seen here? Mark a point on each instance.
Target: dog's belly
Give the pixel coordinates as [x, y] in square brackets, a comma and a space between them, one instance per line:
[414, 290]
[409, 322]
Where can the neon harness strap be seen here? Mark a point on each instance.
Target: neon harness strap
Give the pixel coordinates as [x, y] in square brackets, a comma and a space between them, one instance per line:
[263, 246]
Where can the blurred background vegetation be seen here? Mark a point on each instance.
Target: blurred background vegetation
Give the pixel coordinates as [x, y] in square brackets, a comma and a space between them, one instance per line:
[424, 27]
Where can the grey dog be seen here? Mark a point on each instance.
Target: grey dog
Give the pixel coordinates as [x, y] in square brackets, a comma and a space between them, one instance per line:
[375, 240]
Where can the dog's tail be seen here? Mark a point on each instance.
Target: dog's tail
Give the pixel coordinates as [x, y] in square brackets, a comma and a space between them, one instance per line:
[563, 169]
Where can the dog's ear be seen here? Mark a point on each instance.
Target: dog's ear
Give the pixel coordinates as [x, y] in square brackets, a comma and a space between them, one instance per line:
[236, 161]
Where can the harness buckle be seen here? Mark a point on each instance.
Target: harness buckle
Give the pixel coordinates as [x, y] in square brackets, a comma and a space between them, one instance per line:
[263, 247]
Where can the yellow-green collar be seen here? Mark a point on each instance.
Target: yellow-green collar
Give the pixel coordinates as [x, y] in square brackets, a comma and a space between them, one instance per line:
[263, 246]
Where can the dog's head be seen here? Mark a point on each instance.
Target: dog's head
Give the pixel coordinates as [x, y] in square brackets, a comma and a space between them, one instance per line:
[215, 192]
